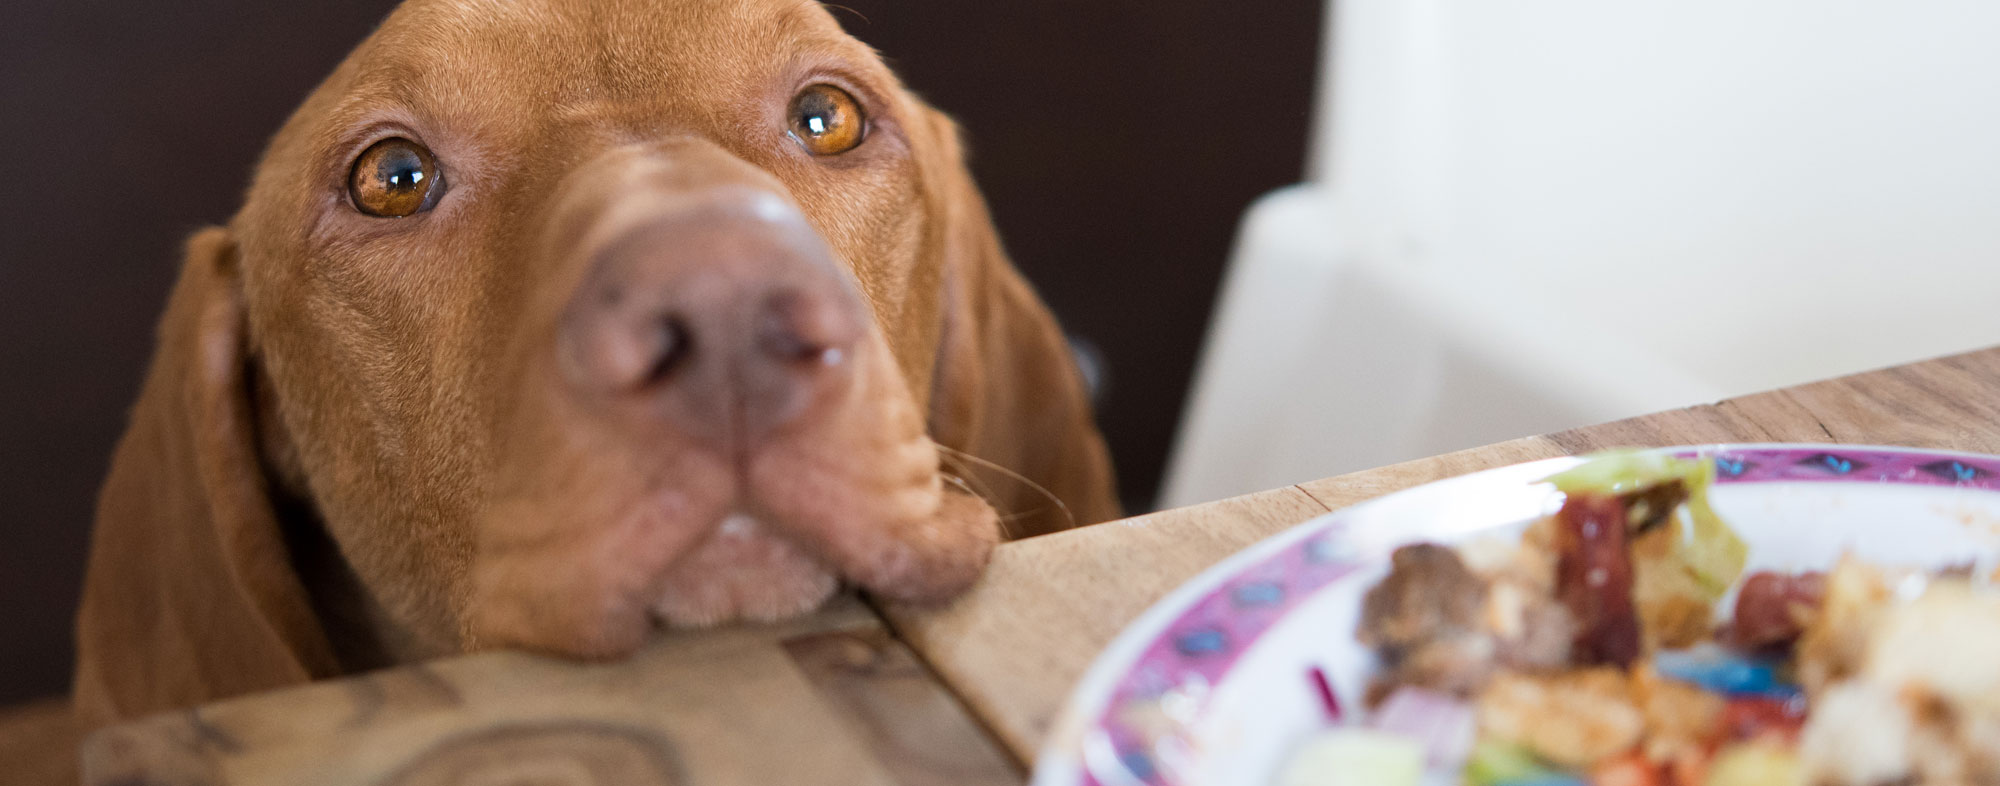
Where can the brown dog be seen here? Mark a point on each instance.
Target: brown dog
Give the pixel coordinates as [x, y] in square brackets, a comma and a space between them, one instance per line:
[546, 322]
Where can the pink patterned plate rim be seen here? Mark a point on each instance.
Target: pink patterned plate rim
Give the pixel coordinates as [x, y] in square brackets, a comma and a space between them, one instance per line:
[1109, 734]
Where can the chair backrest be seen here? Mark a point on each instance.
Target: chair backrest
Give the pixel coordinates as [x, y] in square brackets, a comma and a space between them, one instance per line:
[1759, 192]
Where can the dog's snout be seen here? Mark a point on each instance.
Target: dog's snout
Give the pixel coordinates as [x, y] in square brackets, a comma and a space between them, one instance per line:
[723, 322]
[616, 346]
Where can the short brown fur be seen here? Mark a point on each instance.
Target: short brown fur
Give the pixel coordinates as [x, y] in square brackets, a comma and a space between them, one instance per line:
[348, 451]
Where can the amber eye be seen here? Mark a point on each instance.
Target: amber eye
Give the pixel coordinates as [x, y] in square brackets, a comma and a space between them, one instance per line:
[827, 120]
[394, 178]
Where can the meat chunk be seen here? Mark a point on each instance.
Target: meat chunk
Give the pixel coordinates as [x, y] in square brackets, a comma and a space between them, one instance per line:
[1772, 609]
[1424, 621]
[1437, 624]
[1429, 594]
[1533, 631]
[1594, 579]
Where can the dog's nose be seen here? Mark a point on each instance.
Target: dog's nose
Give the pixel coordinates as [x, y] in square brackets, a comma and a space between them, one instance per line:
[724, 321]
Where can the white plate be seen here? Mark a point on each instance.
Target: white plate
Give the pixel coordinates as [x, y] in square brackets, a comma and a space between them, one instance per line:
[1210, 685]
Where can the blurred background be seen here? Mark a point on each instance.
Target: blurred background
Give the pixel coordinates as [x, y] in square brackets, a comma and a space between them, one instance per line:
[1118, 144]
[1302, 241]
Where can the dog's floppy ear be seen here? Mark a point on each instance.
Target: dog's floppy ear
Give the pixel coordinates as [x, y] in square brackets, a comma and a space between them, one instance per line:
[1006, 389]
[190, 594]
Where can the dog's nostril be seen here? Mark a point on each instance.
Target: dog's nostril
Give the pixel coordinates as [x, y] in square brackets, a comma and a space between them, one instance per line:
[787, 345]
[672, 344]
[800, 329]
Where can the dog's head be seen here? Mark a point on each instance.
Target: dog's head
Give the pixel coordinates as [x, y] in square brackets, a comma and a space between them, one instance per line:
[545, 323]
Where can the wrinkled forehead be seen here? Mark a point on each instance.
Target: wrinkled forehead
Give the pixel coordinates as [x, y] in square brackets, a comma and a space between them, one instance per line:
[565, 53]
[505, 86]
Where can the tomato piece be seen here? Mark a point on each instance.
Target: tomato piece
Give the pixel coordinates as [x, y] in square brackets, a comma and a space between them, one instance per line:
[1753, 717]
[1630, 770]
[1689, 768]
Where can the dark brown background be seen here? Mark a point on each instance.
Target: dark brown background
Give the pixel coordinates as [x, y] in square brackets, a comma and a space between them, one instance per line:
[1118, 143]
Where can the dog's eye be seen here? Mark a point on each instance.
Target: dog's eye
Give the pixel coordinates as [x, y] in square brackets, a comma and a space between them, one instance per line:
[394, 178]
[827, 121]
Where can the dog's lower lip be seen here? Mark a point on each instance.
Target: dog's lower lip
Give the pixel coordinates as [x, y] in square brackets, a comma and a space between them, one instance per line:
[746, 570]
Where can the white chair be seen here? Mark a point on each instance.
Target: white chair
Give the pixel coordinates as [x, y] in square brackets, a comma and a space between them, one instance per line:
[1529, 215]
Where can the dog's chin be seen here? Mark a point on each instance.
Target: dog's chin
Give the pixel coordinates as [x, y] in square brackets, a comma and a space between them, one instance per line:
[543, 581]
[742, 572]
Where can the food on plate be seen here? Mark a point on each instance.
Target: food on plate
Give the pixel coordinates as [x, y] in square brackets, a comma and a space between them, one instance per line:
[1618, 642]
[1361, 755]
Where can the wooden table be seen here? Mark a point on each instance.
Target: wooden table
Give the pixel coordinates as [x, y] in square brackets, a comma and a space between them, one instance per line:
[858, 695]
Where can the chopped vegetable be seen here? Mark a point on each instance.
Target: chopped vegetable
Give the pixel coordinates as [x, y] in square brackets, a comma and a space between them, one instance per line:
[1495, 763]
[1590, 649]
[1726, 673]
[1755, 764]
[1689, 768]
[1762, 717]
[1323, 688]
[1619, 472]
[1708, 550]
[1444, 725]
[1633, 770]
[1346, 755]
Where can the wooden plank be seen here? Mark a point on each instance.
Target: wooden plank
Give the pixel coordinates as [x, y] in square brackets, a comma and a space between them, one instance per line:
[1950, 403]
[38, 744]
[915, 727]
[754, 705]
[1344, 490]
[1012, 646]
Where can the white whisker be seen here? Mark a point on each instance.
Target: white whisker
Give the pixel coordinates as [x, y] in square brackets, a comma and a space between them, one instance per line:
[1019, 478]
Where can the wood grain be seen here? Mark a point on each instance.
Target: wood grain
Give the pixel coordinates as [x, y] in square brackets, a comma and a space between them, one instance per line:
[1344, 490]
[740, 706]
[915, 727]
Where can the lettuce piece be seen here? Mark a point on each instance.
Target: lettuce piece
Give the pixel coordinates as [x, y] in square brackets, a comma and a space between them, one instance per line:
[1496, 763]
[1708, 550]
[1620, 472]
[1352, 754]
[1755, 764]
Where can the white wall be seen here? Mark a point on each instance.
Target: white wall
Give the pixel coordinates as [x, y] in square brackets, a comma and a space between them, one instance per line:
[1738, 194]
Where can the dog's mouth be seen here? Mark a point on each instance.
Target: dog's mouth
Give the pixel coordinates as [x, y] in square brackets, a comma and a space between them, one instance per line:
[581, 580]
[744, 571]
